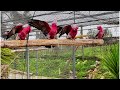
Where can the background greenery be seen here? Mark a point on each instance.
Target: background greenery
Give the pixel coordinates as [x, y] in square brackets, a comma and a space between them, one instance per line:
[54, 63]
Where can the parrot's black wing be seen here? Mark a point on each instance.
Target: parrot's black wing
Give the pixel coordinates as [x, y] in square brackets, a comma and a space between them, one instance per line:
[13, 31]
[40, 25]
[65, 30]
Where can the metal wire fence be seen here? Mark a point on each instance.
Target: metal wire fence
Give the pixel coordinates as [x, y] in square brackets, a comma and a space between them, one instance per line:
[66, 62]
[58, 62]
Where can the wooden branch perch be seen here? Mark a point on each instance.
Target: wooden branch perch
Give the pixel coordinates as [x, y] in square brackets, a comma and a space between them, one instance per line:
[54, 42]
[34, 49]
[81, 36]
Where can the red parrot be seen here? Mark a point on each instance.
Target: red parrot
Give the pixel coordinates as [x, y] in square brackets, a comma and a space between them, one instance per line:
[21, 29]
[49, 31]
[71, 31]
[13, 31]
[100, 34]
[23, 33]
[53, 31]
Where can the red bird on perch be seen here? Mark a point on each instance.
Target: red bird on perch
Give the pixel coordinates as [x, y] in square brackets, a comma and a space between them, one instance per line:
[16, 29]
[24, 32]
[53, 31]
[70, 30]
[100, 34]
[21, 29]
[49, 31]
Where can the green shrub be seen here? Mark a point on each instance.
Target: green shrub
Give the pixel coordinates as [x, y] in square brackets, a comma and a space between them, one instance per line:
[111, 60]
[82, 67]
[6, 56]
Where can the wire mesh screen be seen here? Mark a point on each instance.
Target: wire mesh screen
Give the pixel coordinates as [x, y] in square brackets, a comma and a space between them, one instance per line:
[44, 64]
[61, 62]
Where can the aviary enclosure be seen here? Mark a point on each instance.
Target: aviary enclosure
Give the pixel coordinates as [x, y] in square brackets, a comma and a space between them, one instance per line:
[82, 58]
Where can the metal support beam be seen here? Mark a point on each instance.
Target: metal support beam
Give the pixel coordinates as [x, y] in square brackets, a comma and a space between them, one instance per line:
[27, 58]
[82, 45]
[36, 62]
[28, 63]
[73, 57]
[81, 31]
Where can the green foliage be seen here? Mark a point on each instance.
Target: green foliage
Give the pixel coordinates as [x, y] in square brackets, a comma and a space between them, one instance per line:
[48, 67]
[83, 66]
[6, 56]
[53, 65]
[111, 60]
[103, 71]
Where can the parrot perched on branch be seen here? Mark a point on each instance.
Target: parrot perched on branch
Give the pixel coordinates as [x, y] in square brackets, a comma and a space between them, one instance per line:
[100, 34]
[24, 32]
[49, 31]
[70, 31]
[16, 29]
[53, 31]
[21, 29]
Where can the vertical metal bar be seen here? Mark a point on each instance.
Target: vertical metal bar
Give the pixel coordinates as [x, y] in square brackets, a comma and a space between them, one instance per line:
[23, 55]
[73, 56]
[82, 46]
[36, 57]
[36, 62]
[27, 58]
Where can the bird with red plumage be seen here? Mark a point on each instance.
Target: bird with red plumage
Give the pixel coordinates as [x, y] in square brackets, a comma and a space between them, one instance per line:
[19, 29]
[24, 32]
[53, 31]
[70, 31]
[100, 34]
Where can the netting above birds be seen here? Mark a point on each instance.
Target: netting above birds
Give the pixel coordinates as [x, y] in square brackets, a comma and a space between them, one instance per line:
[50, 56]
[64, 17]
[82, 18]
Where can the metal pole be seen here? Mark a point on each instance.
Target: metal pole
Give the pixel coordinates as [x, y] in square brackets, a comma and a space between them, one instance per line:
[36, 62]
[81, 31]
[82, 46]
[36, 57]
[73, 56]
[27, 54]
[27, 58]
